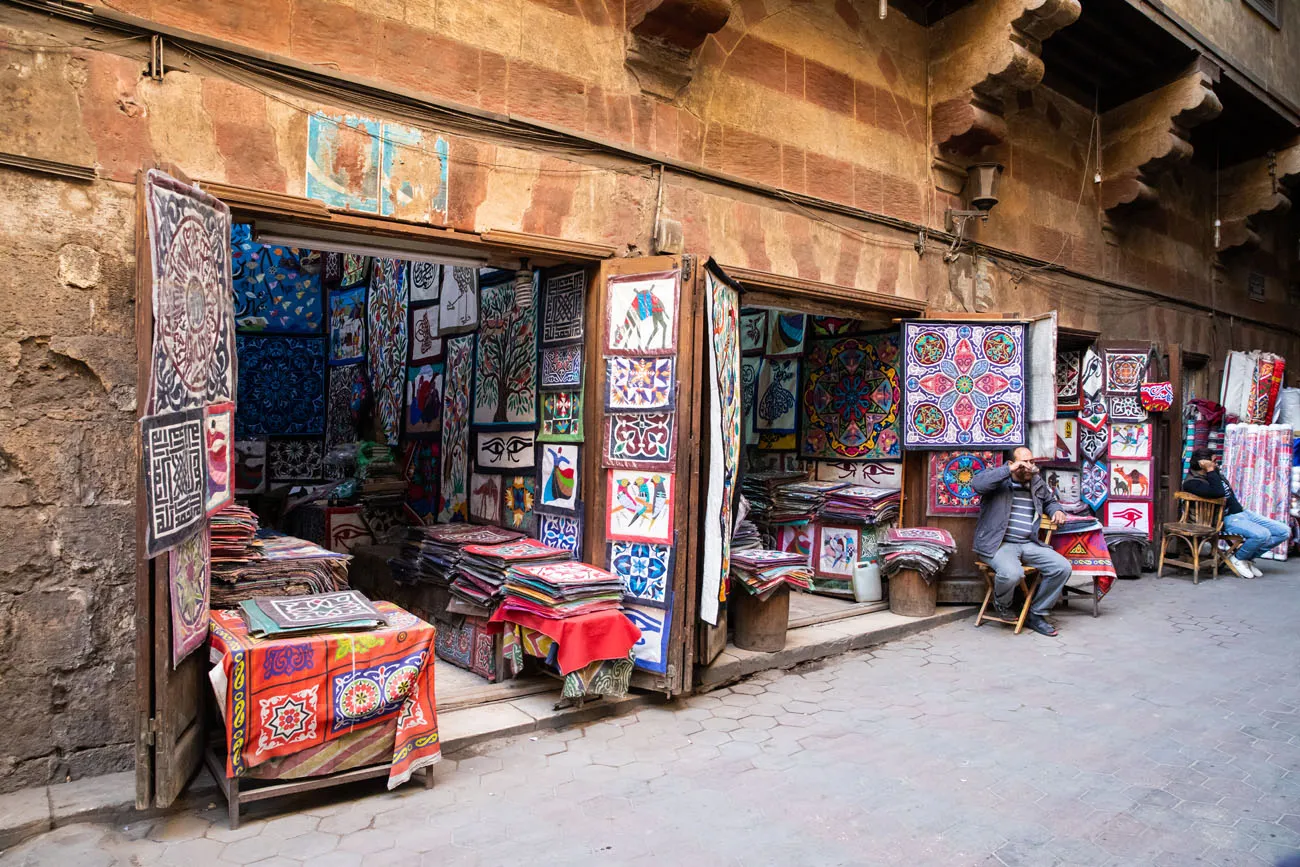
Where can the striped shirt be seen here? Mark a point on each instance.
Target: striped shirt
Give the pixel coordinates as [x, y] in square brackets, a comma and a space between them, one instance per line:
[1023, 525]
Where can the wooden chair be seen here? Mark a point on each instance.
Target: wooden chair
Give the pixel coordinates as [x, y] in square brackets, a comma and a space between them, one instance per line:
[1200, 520]
[1028, 584]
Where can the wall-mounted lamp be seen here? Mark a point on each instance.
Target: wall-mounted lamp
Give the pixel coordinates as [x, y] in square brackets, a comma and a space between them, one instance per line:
[982, 194]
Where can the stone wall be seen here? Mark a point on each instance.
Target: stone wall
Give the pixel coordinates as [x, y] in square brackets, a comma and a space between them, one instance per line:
[811, 97]
[1269, 53]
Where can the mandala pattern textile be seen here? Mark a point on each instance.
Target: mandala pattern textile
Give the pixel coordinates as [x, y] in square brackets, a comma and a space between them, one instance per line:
[189, 582]
[964, 384]
[295, 460]
[1124, 371]
[950, 476]
[281, 386]
[851, 399]
[194, 320]
[640, 384]
[283, 696]
[277, 289]
[386, 344]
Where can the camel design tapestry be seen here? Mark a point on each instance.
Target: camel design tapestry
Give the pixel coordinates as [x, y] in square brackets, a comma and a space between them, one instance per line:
[951, 474]
[642, 314]
[277, 289]
[453, 492]
[193, 313]
[386, 336]
[851, 399]
[505, 366]
[281, 386]
[963, 385]
[189, 589]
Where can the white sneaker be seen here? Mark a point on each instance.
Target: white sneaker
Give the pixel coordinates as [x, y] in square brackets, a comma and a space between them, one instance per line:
[1255, 569]
[1242, 569]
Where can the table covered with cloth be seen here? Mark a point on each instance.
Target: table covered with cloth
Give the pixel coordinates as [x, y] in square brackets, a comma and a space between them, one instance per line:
[289, 695]
[1083, 543]
[582, 639]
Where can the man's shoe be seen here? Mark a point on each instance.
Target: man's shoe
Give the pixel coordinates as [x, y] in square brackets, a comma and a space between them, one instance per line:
[1001, 612]
[1039, 624]
[1239, 566]
[1254, 568]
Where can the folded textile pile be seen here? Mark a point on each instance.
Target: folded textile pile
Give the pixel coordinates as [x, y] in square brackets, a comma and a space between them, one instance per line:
[559, 590]
[277, 565]
[801, 501]
[759, 488]
[746, 537]
[762, 572]
[430, 554]
[481, 572]
[232, 532]
[925, 549]
[862, 504]
[280, 617]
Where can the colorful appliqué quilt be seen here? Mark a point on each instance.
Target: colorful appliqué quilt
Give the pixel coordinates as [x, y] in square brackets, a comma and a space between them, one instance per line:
[281, 386]
[1094, 487]
[951, 474]
[386, 336]
[561, 417]
[634, 384]
[852, 399]
[643, 440]
[642, 314]
[1124, 371]
[561, 367]
[277, 288]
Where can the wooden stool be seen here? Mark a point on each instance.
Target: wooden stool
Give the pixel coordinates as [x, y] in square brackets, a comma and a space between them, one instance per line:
[1028, 583]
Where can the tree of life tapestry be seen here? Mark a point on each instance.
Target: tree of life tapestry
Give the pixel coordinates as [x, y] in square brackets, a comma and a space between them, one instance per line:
[963, 385]
[194, 316]
[505, 364]
[851, 399]
[455, 430]
[386, 336]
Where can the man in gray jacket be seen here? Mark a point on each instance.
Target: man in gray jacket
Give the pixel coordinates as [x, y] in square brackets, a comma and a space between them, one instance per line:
[1013, 500]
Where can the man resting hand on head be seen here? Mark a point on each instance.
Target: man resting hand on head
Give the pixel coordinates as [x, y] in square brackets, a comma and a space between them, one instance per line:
[1013, 500]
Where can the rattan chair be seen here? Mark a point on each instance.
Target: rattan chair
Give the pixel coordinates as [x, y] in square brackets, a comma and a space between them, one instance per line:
[1200, 520]
[1028, 584]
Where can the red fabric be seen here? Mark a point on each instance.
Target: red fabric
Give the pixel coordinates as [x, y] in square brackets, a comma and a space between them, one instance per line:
[583, 639]
[1088, 555]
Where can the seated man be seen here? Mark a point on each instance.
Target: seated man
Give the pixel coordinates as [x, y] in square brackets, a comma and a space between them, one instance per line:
[1261, 534]
[1013, 499]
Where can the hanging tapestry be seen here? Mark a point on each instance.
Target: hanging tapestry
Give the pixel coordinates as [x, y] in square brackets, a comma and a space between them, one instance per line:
[348, 325]
[459, 300]
[561, 531]
[194, 319]
[1128, 515]
[1130, 478]
[852, 399]
[775, 405]
[1125, 407]
[281, 386]
[1069, 380]
[505, 365]
[776, 442]
[485, 498]
[834, 326]
[560, 486]
[1090, 376]
[835, 551]
[346, 529]
[420, 469]
[386, 337]
[646, 571]
[723, 309]
[1087, 552]
[1067, 440]
[1128, 440]
[356, 270]
[655, 624]
[1124, 372]
[175, 477]
[1065, 484]
[640, 441]
[250, 466]
[347, 395]
[749, 366]
[219, 443]
[331, 270]
[453, 489]
[277, 288]
[1093, 441]
[561, 368]
[1157, 396]
[875, 474]
[642, 314]
[561, 417]
[785, 333]
[426, 279]
[1256, 459]
[951, 474]
[753, 331]
[505, 451]
[796, 539]
[519, 498]
[1094, 413]
[964, 384]
[295, 460]
[640, 506]
[1040, 396]
[189, 589]
[424, 400]
[426, 345]
[1094, 484]
[640, 384]
[563, 303]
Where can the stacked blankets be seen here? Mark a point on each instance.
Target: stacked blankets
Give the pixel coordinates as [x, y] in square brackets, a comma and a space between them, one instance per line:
[559, 590]
[861, 504]
[760, 487]
[925, 549]
[277, 565]
[232, 532]
[761, 573]
[430, 554]
[801, 501]
[481, 571]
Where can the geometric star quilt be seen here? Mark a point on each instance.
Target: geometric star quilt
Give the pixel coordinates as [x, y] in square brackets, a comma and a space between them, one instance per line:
[851, 399]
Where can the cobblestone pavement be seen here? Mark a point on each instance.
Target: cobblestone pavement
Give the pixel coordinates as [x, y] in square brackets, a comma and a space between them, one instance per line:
[1166, 732]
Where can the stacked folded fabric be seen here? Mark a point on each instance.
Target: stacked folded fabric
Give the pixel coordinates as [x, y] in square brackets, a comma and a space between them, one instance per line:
[481, 572]
[277, 565]
[232, 532]
[762, 572]
[759, 488]
[559, 590]
[746, 536]
[925, 549]
[862, 504]
[430, 554]
[801, 501]
[280, 617]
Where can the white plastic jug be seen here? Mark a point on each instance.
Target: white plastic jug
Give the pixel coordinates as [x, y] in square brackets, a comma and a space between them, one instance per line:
[866, 582]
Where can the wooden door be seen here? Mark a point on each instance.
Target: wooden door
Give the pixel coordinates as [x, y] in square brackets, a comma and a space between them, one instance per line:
[169, 702]
[678, 653]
